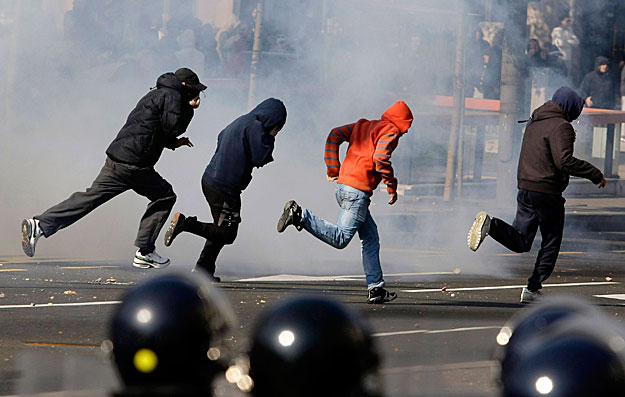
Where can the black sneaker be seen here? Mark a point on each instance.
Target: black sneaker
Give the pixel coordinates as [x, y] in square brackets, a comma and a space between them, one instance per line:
[175, 228]
[292, 215]
[380, 295]
[215, 279]
[212, 277]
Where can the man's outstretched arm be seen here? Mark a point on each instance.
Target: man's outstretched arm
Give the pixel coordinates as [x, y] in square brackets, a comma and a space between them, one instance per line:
[562, 152]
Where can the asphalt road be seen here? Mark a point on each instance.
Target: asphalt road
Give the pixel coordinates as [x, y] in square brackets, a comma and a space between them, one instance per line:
[54, 315]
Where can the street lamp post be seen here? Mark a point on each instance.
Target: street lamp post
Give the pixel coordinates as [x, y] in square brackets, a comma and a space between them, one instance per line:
[255, 54]
[515, 34]
[456, 117]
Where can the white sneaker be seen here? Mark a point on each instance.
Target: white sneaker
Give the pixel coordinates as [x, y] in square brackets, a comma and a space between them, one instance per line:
[149, 261]
[479, 230]
[30, 235]
[528, 296]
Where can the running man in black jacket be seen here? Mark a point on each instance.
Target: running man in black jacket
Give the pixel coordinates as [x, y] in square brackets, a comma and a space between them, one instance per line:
[245, 143]
[157, 121]
[545, 164]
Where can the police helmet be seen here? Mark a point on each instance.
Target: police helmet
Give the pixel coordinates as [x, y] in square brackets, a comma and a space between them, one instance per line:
[572, 362]
[167, 334]
[311, 346]
[528, 326]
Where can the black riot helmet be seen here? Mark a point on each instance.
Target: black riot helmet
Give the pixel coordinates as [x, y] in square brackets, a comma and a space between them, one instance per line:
[530, 325]
[310, 346]
[581, 357]
[167, 335]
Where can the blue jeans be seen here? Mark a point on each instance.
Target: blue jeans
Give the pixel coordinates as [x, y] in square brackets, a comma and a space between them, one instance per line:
[354, 217]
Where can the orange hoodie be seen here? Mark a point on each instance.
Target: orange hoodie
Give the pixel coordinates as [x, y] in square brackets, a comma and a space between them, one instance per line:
[371, 142]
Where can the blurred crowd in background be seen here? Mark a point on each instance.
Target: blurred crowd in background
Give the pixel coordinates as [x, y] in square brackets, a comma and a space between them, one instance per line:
[117, 40]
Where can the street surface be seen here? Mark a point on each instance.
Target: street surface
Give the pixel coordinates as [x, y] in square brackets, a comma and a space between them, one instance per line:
[54, 313]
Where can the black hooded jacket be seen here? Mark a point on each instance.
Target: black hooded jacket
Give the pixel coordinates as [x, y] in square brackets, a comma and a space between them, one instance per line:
[159, 118]
[243, 144]
[599, 86]
[546, 159]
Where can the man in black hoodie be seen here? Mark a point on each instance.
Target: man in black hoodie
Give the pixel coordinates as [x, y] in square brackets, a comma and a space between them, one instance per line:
[597, 88]
[545, 164]
[245, 143]
[157, 121]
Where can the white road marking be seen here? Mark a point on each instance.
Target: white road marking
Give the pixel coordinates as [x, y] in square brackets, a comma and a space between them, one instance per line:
[437, 331]
[40, 305]
[613, 296]
[297, 277]
[38, 260]
[89, 267]
[357, 277]
[509, 287]
[560, 253]
[441, 367]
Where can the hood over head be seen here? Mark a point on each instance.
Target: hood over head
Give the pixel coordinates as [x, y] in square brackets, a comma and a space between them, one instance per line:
[399, 114]
[569, 101]
[271, 113]
[169, 80]
[601, 60]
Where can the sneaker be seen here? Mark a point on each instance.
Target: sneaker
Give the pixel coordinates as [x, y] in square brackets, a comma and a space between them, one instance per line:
[212, 277]
[175, 228]
[30, 235]
[150, 261]
[528, 296]
[479, 230]
[380, 295]
[292, 215]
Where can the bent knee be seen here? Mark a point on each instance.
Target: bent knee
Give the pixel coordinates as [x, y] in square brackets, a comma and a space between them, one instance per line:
[229, 236]
[169, 197]
[524, 248]
[341, 244]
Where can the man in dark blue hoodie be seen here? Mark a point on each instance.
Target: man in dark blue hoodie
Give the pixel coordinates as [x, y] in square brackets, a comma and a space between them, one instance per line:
[157, 121]
[245, 143]
[545, 164]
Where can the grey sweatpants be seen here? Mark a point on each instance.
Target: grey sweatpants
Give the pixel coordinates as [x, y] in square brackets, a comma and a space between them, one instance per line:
[114, 179]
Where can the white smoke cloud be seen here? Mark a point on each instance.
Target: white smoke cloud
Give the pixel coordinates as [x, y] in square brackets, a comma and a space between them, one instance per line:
[60, 113]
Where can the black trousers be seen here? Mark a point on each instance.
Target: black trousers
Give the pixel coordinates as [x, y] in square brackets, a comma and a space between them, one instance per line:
[226, 212]
[534, 210]
[114, 179]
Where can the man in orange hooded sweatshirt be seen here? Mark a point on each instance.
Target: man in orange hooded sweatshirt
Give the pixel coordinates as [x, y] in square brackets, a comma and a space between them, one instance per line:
[366, 163]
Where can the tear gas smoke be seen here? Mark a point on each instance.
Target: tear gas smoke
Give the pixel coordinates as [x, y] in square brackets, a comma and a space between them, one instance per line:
[64, 98]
